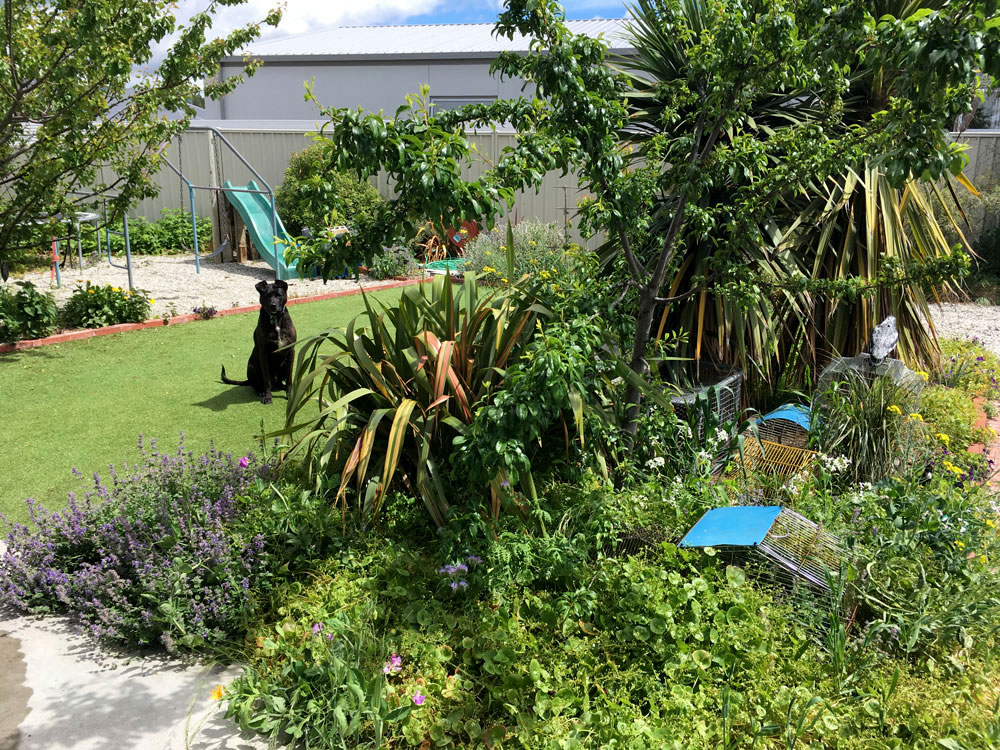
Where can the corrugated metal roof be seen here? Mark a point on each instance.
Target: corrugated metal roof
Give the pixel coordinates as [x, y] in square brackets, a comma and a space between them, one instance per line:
[427, 39]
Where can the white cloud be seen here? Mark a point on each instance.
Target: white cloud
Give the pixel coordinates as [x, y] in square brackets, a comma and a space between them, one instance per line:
[309, 15]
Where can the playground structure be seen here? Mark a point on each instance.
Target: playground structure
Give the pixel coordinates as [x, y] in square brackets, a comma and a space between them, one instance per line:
[253, 203]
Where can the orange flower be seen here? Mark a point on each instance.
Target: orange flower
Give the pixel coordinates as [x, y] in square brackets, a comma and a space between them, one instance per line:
[216, 694]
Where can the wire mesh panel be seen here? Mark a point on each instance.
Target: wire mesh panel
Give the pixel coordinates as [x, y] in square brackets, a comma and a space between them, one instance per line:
[764, 467]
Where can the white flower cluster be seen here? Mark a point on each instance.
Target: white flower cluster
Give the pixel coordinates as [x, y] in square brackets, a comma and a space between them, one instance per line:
[834, 464]
[655, 463]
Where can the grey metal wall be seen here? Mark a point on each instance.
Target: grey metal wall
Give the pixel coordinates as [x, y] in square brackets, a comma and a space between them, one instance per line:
[269, 151]
[983, 153]
[277, 90]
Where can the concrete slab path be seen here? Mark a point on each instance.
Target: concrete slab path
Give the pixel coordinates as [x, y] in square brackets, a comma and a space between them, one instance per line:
[60, 691]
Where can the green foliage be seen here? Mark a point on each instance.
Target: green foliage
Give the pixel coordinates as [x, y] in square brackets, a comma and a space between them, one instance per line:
[394, 388]
[26, 314]
[560, 386]
[949, 412]
[539, 251]
[79, 117]
[966, 364]
[392, 262]
[313, 195]
[105, 305]
[874, 422]
[171, 234]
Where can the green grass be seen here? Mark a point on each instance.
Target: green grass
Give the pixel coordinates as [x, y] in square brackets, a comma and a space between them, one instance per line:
[85, 403]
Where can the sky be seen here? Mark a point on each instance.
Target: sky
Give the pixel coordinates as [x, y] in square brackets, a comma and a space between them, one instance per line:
[314, 15]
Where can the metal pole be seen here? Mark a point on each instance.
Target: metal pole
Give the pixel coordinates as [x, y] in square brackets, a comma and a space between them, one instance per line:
[194, 227]
[274, 236]
[128, 253]
[55, 261]
[79, 244]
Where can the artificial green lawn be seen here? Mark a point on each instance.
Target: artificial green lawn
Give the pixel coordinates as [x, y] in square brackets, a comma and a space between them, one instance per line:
[84, 404]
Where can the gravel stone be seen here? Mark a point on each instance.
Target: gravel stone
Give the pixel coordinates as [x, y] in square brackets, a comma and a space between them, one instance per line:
[965, 320]
[172, 282]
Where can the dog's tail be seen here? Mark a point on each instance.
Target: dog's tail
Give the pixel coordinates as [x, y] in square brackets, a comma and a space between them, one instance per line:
[227, 381]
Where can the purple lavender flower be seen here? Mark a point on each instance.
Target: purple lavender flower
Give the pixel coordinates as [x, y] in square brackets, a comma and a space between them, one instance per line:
[317, 627]
[474, 559]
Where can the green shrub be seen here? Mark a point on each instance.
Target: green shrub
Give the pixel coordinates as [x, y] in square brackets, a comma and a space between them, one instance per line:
[171, 234]
[26, 314]
[106, 305]
[539, 250]
[968, 365]
[951, 413]
[313, 196]
[391, 262]
[397, 386]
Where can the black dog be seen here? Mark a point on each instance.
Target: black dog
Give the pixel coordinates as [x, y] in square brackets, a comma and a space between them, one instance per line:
[269, 369]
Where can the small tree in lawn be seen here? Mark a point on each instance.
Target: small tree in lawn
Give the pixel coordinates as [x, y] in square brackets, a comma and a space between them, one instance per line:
[74, 98]
[735, 50]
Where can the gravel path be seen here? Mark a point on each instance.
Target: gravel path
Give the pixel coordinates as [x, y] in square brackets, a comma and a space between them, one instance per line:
[964, 321]
[172, 282]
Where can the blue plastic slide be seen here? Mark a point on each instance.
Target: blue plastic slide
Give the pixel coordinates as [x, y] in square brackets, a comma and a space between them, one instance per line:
[255, 210]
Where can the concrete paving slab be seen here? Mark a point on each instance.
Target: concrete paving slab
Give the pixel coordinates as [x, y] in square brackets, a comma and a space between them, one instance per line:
[66, 693]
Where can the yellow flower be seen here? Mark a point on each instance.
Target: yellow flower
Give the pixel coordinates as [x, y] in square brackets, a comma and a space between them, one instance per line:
[504, 280]
[943, 438]
[128, 294]
[489, 269]
[924, 375]
[959, 544]
[503, 247]
[532, 243]
[915, 417]
[893, 409]
[982, 559]
[216, 694]
[90, 291]
[152, 301]
[115, 289]
[990, 523]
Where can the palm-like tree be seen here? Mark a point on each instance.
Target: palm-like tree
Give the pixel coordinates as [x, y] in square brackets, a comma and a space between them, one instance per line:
[846, 226]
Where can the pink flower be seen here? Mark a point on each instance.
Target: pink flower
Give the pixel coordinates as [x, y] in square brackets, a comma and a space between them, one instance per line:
[395, 664]
[419, 699]
[317, 627]
[244, 462]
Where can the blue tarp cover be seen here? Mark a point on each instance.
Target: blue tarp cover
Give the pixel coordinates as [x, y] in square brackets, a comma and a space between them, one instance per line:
[792, 412]
[741, 526]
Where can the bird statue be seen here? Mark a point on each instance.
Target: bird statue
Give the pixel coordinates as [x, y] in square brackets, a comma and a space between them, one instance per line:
[883, 341]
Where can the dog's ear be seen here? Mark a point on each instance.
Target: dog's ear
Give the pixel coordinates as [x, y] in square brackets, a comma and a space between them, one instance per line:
[260, 286]
[281, 285]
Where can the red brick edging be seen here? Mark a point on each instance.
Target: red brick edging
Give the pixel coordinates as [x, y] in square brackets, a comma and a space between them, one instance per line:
[87, 333]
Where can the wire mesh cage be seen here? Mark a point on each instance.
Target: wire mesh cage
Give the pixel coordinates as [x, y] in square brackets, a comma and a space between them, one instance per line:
[636, 541]
[720, 399]
[724, 402]
[764, 467]
[788, 425]
[803, 563]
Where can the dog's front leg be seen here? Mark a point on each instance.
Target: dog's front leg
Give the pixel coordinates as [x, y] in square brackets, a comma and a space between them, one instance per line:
[263, 359]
